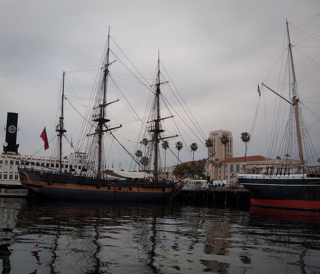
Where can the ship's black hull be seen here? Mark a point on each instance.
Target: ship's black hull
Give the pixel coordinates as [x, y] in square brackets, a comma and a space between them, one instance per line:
[294, 193]
[68, 187]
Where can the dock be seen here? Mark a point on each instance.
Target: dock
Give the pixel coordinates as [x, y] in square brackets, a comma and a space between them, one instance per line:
[228, 196]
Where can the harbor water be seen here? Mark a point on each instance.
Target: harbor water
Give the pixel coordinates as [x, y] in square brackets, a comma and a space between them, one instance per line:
[68, 237]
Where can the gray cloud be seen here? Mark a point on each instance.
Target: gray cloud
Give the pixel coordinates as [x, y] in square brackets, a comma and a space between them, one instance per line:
[215, 51]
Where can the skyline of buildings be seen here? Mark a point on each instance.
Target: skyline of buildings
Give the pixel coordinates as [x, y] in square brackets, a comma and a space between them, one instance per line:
[224, 166]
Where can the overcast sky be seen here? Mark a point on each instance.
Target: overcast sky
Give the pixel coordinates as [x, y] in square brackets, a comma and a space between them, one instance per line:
[216, 52]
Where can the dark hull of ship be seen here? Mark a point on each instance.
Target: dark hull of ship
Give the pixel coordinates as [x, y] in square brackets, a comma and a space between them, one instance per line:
[68, 187]
[284, 193]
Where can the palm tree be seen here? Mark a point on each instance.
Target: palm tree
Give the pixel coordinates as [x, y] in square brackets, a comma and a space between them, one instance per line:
[145, 142]
[144, 161]
[179, 146]
[138, 153]
[225, 140]
[193, 148]
[245, 137]
[165, 146]
[209, 145]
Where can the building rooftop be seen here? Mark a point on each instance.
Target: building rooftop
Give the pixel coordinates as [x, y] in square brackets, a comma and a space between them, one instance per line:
[257, 158]
[248, 159]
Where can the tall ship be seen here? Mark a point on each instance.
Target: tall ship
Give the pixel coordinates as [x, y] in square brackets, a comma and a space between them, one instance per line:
[94, 181]
[289, 183]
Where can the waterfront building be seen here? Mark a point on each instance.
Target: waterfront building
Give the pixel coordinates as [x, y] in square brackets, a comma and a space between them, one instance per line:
[229, 169]
[221, 153]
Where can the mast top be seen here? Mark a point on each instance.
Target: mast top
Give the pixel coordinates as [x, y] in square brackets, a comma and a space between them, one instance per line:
[295, 99]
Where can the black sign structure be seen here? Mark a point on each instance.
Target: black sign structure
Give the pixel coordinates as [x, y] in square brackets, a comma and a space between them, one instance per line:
[10, 145]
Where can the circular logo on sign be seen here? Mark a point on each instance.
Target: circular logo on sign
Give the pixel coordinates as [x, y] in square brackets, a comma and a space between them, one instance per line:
[12, 129]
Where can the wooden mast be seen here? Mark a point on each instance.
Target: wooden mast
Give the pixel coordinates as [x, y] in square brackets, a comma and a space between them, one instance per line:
[157, 128]
[295, 100]
[102, 112]
[101, 119]
[60, 128]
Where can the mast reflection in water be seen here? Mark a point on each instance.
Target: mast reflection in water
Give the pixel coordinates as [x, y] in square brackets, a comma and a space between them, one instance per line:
[59, 237]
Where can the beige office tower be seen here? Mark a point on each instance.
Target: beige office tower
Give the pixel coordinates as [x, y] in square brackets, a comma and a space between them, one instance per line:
[221, 152]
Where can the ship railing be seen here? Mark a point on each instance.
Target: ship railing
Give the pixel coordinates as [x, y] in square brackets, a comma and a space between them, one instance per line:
[278, 171]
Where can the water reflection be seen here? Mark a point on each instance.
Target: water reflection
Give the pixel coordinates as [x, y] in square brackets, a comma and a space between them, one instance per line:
[91, 238]
[282, 241]
[285, 217]
[61, 237]
[9, 210]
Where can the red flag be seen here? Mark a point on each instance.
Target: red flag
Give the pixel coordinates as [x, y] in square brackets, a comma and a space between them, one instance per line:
[259, 90]
[45, 138]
